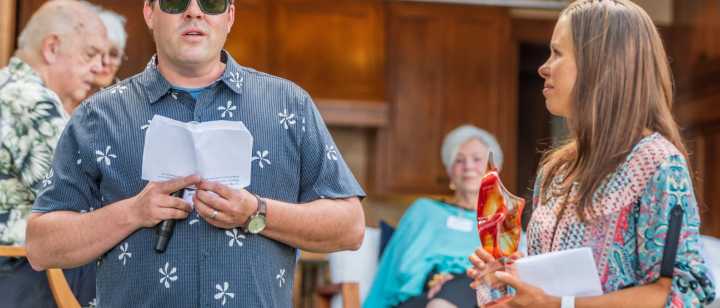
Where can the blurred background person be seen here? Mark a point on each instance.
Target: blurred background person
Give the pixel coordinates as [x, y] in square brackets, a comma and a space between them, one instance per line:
[59, 52]
[117, 38]
[424, 262]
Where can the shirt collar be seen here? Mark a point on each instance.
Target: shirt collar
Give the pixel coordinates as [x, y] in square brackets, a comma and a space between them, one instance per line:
[157, 86]
[20, 70]
[23, 71]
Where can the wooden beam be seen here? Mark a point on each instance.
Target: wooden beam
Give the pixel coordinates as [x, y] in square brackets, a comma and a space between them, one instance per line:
[353, 113]
[692, 112]
[7, 30]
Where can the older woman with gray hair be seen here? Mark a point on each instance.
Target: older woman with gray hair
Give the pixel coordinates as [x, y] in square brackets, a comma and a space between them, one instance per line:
[115, 25]
[424, 263]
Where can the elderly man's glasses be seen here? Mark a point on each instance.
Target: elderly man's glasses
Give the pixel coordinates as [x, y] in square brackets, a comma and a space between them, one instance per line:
[210, 7]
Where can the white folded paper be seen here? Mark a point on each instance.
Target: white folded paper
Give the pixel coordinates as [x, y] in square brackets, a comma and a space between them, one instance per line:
[562, 273]
[217, 151]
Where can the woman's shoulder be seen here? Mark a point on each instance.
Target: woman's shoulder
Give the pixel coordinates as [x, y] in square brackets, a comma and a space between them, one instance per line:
[428, 205]
[654, 151]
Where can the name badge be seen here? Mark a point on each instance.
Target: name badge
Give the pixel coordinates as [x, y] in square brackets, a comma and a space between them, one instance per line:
[459, 224]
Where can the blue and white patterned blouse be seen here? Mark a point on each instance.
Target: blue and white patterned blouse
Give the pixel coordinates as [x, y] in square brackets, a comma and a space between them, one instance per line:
[98, 162]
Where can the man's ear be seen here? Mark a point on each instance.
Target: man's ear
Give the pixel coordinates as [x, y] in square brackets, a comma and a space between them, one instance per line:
[148, 14]
[231, 20]
[50, 48]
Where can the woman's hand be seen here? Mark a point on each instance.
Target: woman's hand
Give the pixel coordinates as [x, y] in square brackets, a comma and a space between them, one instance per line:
[436, 283]
[526, 295]
[480, 261]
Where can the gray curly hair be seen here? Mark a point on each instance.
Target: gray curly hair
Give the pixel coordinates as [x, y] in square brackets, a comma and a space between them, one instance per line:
[464, 133]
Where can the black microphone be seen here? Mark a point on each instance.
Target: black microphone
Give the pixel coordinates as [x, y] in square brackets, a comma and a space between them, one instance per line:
[166, 227]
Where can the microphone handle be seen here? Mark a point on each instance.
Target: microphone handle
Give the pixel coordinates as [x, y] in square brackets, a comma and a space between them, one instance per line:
[166, 228]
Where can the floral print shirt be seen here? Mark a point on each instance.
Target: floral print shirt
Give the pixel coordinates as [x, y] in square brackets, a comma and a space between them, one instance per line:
[31, 120]
[631, 212]
[98, 161]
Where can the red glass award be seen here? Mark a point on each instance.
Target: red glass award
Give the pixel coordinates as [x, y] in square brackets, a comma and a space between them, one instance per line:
[499, 215]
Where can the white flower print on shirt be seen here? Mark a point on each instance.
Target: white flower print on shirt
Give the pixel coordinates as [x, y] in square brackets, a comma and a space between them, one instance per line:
[124, 253]
[195, 220]
[331, 152]
[281, 277]
[236, 79]
[223, 293]
[227, 109]
[262, 158]
[106, 156]
[168, 275]
[235, 237]
[118, 89]
[48, 178]
[286, 119]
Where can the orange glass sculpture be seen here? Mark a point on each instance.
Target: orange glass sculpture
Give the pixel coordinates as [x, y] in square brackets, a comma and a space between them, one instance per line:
[499, 215]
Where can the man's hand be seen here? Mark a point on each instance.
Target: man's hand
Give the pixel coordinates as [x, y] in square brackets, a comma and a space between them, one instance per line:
[222, 206]
[154, 203]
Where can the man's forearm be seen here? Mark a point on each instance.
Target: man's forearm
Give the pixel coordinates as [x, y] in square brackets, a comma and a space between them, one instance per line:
[67, 239]
[320, 226]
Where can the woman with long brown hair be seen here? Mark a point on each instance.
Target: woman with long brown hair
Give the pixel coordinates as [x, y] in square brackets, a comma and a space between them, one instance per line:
[613, 186]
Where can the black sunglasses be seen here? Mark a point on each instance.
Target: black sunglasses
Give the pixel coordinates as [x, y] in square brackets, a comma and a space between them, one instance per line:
[210, 7]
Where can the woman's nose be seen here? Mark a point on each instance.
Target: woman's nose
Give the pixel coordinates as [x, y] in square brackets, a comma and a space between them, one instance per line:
[544, 71]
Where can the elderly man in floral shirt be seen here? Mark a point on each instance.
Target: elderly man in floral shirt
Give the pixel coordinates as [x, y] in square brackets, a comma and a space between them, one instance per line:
[59, 52]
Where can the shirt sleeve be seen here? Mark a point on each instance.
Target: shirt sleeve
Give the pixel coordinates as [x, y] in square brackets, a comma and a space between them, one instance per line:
[324, 173]
[73, 182]
[671, 186]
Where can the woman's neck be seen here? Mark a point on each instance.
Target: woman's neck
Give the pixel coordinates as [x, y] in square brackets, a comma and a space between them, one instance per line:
[466, 200]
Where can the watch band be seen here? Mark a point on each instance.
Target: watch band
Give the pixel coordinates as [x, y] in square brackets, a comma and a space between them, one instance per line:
[262, 206]
[567, 302]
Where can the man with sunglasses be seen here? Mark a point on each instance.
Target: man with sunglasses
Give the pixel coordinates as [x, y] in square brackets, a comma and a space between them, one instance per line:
[235, 248]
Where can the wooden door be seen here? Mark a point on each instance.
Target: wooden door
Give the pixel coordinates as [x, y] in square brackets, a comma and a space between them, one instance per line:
[447, 65]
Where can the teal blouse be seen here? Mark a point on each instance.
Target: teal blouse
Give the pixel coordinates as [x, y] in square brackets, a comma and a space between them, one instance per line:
[431, 236]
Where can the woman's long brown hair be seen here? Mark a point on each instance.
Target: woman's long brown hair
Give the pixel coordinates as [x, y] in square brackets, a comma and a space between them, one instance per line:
[624, 86]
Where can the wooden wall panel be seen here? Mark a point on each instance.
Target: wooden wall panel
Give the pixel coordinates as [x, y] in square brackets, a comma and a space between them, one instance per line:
[448, 65]
[695, 47]
[334, 49]
[695, 50]
[249, 40]
[409, 154]
[704, 146]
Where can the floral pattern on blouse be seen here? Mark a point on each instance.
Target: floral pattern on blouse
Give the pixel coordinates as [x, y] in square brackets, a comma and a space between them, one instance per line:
[631, 212]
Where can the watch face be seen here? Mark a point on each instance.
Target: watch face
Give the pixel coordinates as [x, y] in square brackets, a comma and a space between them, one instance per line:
[256, 224]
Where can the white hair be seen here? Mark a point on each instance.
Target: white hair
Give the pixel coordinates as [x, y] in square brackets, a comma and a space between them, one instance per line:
[115, 25]
[459, 136]
[60, 17]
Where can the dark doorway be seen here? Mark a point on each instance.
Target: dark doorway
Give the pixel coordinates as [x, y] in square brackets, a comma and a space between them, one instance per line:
[535, 123]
